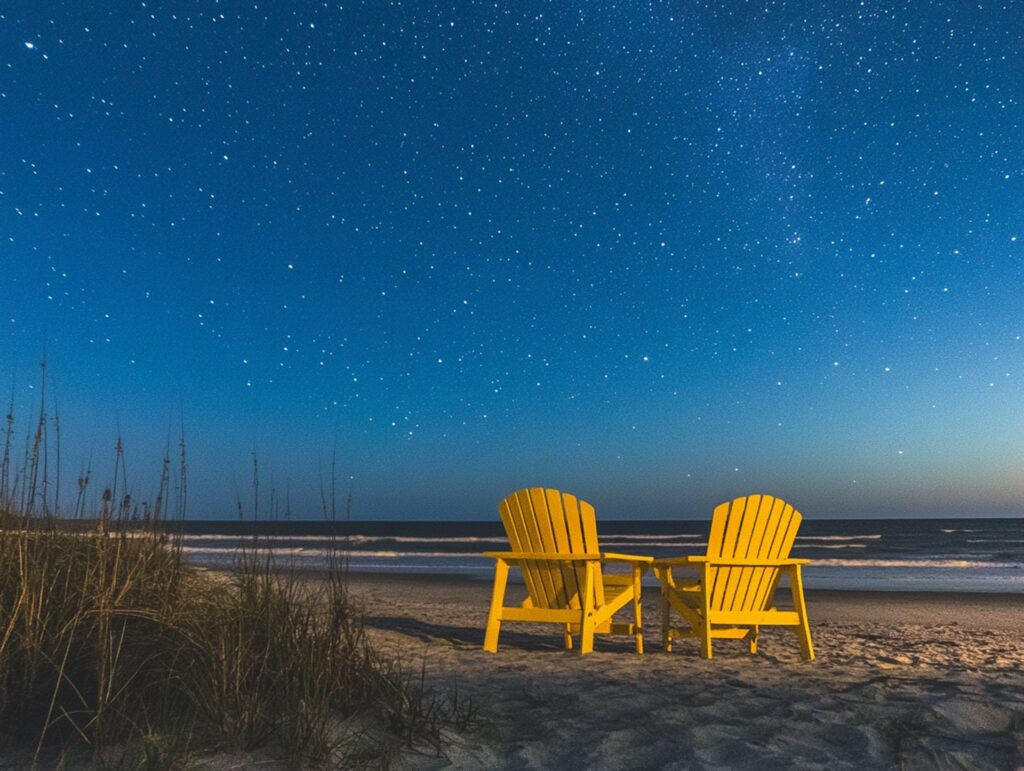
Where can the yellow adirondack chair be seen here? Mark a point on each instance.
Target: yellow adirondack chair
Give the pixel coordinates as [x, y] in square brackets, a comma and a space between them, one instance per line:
[748, 552]
[553, 536]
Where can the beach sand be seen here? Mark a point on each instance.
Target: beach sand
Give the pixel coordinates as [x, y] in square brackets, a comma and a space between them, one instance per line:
[901, 681]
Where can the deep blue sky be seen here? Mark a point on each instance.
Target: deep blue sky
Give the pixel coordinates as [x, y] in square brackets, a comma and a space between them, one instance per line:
[658, 254]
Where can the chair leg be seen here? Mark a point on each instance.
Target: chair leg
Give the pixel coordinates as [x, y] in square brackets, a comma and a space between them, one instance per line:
[587, 612]
[666, 628]
[639, 629]
[497, 601]
[803, 630]
[752, 635]
[705, 601]
[705, 641]
[568, 637]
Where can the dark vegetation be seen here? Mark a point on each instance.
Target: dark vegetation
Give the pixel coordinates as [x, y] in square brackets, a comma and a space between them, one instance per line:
[114, 652]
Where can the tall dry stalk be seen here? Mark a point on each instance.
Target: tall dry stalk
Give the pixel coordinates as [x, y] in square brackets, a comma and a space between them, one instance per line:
[6, 501]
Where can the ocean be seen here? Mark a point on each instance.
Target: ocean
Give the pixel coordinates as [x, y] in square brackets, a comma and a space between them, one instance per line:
[929, 555]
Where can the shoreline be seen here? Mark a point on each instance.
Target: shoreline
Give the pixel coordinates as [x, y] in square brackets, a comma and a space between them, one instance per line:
[463, 578]
[441, 577]
[996, 610]
[991, 610]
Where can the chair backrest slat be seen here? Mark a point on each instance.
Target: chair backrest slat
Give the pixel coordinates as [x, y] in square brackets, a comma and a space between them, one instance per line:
[715, 539]
[588, 523]
[725, 548]
[553, 570]
[543, 572]
[760, 543]
[559, 514]
[515, 529]
[744, 529]
[574, 527]
[789, 520]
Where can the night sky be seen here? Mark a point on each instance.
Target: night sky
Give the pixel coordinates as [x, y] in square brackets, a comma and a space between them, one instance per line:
[657, 254]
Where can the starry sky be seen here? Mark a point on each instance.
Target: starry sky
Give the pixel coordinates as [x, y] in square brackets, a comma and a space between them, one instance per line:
[658, 254]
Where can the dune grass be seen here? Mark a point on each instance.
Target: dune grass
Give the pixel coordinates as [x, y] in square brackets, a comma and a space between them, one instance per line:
[114, 649]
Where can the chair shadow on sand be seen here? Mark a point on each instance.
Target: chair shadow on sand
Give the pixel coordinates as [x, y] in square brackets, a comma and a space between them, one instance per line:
[472, 637]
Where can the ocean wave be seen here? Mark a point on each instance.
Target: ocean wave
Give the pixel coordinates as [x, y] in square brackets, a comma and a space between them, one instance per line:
[958, 530]
[424, 539]
[831, 546]
[651, 537]
[258, 538]
[838, 537]
[322, 554]
[995, 540]
[345, 538]
[606, 544]
[881, 563]
[340, 547]
[307, 553]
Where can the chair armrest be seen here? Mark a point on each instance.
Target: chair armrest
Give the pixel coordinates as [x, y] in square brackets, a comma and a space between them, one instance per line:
[669, 562]
[611, 556]
[517, 556]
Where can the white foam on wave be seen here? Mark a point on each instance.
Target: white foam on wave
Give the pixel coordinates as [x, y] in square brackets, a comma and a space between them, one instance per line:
[301, 553]
[305, 553]
[880, 563]
[995, 540]
[422, 539]
[607, 544]
[838, 537]
[652, 539]
[832, 546]
[643, 537]
[344, 538]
